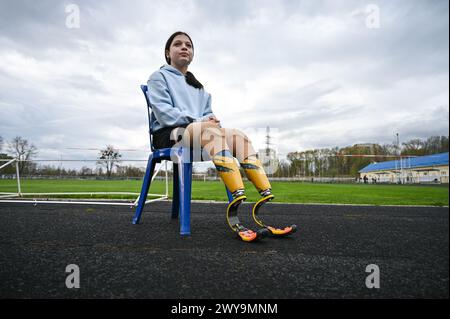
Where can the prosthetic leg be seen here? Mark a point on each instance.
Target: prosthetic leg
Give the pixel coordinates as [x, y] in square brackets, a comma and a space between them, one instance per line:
[229, 173]
[255, 173]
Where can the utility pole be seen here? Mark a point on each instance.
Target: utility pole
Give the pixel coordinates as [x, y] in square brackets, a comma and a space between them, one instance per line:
[399, 153]
[268, 159]
[267, 141]
[60, 165]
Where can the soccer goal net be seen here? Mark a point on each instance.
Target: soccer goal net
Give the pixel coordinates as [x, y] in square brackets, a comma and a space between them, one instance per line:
[80, 181]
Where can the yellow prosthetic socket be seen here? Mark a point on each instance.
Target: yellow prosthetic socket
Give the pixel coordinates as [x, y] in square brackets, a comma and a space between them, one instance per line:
[255, 173]
[228, 171]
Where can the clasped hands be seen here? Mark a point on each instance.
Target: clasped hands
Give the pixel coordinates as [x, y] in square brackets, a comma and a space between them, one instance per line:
[212, 119]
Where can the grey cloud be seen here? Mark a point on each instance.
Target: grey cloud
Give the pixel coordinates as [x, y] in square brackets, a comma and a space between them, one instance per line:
[293, 108]
[292, 100]
[412, 40]
[83, 82]
[435, 123]
[306, 118]
[38, 28]
[236, 42]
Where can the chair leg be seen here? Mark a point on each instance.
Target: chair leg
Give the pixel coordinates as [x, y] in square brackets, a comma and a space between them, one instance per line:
[185, 186]
[145, 187]
[175, 196]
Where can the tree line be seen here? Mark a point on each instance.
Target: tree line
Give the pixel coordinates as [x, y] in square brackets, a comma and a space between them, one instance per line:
[329, 162]
[347, 161]
[108, 163]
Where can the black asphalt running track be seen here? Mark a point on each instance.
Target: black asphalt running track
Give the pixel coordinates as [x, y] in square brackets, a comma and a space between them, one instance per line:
[326, 258]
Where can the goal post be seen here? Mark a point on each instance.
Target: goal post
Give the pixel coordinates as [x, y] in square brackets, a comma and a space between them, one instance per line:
[46, 197]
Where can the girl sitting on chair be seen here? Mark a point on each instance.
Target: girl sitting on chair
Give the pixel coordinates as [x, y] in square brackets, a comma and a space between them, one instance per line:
[182, 114]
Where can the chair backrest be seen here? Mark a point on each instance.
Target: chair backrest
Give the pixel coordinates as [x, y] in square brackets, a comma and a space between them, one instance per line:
[144, 89]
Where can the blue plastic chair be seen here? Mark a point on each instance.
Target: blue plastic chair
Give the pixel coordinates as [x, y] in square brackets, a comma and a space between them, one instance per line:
[182, 178]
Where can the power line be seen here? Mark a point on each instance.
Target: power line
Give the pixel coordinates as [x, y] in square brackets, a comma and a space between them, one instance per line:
[99, 149]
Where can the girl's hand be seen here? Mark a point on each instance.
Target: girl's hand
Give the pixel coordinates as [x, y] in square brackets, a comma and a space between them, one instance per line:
[214, 120]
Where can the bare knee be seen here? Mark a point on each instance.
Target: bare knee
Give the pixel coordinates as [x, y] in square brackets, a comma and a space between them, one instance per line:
[213, 130]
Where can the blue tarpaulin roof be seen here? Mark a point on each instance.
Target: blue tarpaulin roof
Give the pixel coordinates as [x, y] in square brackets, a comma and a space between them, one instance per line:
[411, 162]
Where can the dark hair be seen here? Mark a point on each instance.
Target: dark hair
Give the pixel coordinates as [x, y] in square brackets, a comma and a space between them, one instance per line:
[190, 78]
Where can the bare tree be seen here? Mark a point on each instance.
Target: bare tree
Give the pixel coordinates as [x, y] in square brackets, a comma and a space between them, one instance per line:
[109, 158]
[1, 143]
[22, 150]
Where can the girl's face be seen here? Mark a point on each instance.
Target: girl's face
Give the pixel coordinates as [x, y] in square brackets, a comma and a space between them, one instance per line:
[180, 51]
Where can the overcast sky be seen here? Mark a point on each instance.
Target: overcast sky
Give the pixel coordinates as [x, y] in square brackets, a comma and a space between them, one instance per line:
[319, 73]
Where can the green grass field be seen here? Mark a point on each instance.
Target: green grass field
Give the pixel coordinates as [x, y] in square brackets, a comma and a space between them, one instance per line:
[286, 192]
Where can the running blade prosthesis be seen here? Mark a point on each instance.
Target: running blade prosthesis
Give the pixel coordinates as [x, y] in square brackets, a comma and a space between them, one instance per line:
[244, 233]
[274, 231]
